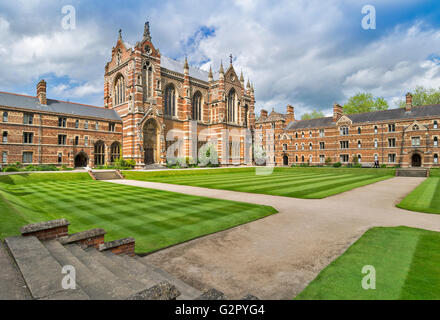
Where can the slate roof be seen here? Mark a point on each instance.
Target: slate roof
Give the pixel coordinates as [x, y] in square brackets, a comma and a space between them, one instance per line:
[273, 116]
[56, 106]
[376, 116]
[177, 66]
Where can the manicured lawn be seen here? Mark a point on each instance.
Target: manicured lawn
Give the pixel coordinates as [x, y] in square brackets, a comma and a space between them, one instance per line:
[406, 261]
[426, 197]
[313, 183]
[156, 219]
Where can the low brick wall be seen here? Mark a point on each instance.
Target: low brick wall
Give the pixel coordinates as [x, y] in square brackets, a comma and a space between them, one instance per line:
[89, 238]
[118, 247]
[47, 230]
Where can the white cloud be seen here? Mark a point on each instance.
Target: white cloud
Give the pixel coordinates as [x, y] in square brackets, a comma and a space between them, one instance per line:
[308, 53]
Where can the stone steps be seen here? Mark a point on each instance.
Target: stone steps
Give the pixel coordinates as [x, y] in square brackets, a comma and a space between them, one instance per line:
[103, 270]
[11, 282]
[412, 172]
[106, 175]
[187, 292]
[92, 285]
[41, 272]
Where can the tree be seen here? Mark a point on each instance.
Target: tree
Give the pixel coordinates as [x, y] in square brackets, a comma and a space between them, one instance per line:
[423, 96]
[312, 115]
[365, 102]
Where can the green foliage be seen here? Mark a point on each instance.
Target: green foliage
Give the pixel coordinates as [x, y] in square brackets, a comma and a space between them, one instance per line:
[315, 114]
[18, 167]
[365, 102]
[337, 165]
[122, 163]
[423, 96]
[328, 161]
[426, 197]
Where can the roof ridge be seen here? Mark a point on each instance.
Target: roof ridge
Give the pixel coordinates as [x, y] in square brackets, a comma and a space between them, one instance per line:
[77, 103]
[18, 94]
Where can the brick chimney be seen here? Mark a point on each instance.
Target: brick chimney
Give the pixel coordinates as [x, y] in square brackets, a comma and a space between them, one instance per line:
[290, 114]
[409, 102]
[41, 92]
[338, 111]
[263, 113]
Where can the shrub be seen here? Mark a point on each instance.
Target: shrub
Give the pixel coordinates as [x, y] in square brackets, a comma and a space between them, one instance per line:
[328, 161]
[383, 165]
[337, 165]
[11, 169]
[208, 155]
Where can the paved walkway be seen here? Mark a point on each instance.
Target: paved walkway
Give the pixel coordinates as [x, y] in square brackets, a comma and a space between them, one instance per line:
[276, 257]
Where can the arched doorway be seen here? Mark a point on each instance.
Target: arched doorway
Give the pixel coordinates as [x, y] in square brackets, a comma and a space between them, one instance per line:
[416, 160]
[151, 134]
[81, 159]
[285, 160]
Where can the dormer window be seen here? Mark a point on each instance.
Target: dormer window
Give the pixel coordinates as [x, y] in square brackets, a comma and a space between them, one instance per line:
[344, 131]
[415, 127]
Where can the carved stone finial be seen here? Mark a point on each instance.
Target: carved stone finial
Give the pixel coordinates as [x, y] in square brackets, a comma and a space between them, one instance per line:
[230, 58]
[120, 34]
[221, 67]
[147, 35]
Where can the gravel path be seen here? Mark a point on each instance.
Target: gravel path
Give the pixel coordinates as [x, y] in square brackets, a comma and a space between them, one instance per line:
[276, 257]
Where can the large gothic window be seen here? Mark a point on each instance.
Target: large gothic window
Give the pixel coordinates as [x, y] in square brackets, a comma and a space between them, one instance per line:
[115, 151]
[197, 106]
[170, 101]
[119, 90]
[246, 113]
[99, 153]
[148, 79]
[231, 106]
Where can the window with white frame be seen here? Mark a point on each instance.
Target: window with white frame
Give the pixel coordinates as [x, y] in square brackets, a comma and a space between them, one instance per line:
[344, 157]
[392, 157]
[302, 146]
[4, 157]
[391, 142]
[86, 140]
[62, 122]
[415, 141]
[28, 137]
[76, 123]
[344, 144]
[359, 130]
[28, 118]
[5, 116]
[376, 157]
[435, 124]
[435, 142]
[27, 157]
[296, 146]
[62, 138]
[435, 158]
[321, 133]
[322, 145]
[96, 125]
[375, 143]
[284, 147]
[5, 137]
[391, 127]
[359, 158]
[310, 146]
[359, 144]
[322, 158]
[343, 131]
[310, 159]
[375, 129]
[302, 134]
[60, 157]
[310, 134]
[86, 124]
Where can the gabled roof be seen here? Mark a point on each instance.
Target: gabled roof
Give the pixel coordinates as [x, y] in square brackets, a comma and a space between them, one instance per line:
[56, 106]
[273, 116]
[177, 66]
[375, 116]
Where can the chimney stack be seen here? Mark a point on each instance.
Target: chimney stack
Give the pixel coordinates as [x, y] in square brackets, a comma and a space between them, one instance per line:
[41, 92]
[338, 111]
[409, 102]
[263, 113]
[290, 114]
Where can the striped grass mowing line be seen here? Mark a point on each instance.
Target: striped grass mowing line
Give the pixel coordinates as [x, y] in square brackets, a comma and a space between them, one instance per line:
[155, 218]
[424, 198]
[292, 182]
[250, 182]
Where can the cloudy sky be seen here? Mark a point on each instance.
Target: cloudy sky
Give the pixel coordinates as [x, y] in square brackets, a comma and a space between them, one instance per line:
[308, 53]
